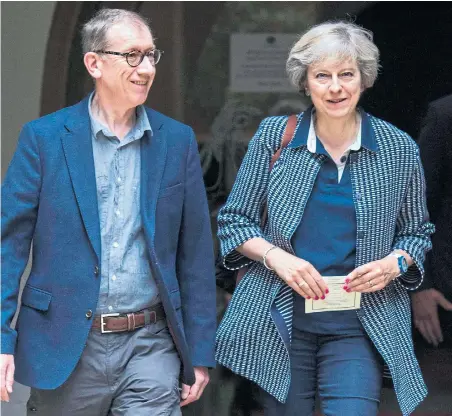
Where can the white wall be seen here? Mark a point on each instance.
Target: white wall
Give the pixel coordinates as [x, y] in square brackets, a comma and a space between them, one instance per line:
[25, 28]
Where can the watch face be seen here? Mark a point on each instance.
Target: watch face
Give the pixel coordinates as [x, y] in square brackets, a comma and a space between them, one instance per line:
[403, 264]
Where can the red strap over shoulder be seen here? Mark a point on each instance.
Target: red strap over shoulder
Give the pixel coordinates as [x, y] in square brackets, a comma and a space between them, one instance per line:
[287, 137]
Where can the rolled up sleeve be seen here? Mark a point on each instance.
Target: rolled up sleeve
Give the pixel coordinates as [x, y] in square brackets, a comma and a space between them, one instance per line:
[414, 228]
[240, 218]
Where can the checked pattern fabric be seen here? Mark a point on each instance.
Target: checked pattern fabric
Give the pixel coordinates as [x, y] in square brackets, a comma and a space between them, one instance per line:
[389, 197]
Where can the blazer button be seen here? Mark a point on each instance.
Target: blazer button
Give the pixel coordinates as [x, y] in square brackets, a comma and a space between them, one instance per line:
[358, 196]
[33, 409]
[96, 270]
[89, 314]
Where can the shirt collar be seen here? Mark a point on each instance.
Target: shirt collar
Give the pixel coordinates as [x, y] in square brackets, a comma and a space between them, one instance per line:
[141, 123]
[306, 136]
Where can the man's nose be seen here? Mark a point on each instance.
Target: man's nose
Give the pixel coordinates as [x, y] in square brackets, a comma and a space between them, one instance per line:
[146, 65]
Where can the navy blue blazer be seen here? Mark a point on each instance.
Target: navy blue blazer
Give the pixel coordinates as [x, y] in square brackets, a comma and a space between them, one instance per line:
[49, 199]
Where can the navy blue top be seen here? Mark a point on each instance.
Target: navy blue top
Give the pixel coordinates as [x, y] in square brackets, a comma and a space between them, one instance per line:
[326, 237]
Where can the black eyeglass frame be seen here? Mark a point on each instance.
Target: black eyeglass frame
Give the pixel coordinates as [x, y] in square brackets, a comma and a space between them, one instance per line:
[143, 54]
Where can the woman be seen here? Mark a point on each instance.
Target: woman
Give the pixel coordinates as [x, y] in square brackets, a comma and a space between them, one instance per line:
[345, 198]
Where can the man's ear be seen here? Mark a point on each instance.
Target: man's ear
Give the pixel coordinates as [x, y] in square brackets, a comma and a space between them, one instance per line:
[93, 64]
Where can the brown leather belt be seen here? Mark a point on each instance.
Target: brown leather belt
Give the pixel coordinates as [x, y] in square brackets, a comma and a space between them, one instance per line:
[121, 322]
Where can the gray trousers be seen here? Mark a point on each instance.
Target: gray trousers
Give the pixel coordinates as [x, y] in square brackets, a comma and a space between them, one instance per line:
[119, 374]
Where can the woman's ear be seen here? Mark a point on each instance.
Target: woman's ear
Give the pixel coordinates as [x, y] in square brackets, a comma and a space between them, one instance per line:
[93, 64]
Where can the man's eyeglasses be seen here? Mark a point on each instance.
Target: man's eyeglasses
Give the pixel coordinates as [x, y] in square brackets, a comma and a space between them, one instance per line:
[134, 58]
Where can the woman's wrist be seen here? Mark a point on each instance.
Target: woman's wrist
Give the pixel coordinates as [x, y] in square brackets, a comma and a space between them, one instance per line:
[393, 266]
[408, 258]
[394, 263]
[264, 257]
[271, 256]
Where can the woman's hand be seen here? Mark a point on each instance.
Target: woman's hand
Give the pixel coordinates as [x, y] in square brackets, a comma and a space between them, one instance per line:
[372, 276]
[300, 275]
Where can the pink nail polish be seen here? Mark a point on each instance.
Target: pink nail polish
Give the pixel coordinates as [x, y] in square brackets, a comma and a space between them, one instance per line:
[348, 290]
[345, 287]
[323, 297]
[316, 298]
[347, 280]
[309, 297]
[327, 291]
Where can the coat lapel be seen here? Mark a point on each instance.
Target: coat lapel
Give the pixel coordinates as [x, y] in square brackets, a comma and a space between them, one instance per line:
[153, 160]
[78, 150]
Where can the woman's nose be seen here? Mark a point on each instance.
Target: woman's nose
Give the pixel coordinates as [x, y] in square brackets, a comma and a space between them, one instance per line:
[335, 85]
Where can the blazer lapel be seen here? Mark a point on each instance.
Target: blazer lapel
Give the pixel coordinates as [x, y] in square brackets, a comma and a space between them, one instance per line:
[78, 151]
[153, 160]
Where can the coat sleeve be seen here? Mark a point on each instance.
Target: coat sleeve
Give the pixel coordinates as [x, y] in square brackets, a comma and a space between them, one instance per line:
[413, 228]
[195, 264]
[433, 151]
[240, 218]
[20, 199]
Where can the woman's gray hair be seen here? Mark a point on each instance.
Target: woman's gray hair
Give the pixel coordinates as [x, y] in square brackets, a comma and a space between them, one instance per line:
[94, 32]
[340, 40]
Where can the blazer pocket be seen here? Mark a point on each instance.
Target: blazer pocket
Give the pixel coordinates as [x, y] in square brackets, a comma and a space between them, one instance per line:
[164, 193]
[36, 298]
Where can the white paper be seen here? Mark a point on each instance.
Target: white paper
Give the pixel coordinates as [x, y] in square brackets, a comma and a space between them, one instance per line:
[336, 300]
[258, 62]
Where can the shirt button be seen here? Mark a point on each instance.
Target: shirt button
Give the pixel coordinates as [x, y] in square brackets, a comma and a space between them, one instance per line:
[89, 314]
[118, 212]
[110, 308]
[33, 409]
[113, 277]
[115, 244]
[96, 270]
[118, 179]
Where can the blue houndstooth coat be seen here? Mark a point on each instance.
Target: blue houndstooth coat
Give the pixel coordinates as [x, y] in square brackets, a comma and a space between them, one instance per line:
[253, 339]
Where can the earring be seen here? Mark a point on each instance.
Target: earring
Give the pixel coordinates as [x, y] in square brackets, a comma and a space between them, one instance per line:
[307, 93]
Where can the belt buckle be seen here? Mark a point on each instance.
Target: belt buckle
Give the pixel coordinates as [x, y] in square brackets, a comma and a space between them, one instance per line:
[103, 323]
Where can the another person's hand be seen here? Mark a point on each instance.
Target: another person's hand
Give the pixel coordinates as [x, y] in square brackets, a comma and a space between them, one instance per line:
[6, 375]
[425, 314]
[190, 394]
[299, 274]
[372, 276]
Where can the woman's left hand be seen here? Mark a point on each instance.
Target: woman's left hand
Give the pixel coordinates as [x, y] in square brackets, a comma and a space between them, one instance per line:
[372, 276]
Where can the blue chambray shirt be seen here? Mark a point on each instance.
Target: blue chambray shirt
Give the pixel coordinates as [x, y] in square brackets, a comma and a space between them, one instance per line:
[126, 283]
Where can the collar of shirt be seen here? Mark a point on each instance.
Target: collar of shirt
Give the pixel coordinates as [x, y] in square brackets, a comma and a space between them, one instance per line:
[306, 136]
[313, 139]
[141, 124]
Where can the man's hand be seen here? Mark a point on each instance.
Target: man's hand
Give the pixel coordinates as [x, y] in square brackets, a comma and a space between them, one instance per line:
[190, 394]
[6, 376]
[425, 313]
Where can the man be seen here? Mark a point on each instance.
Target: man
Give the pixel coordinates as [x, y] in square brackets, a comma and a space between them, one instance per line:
[432, 303]
[120, 301]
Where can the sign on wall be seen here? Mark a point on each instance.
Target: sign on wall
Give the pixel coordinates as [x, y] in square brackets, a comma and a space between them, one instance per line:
[258, 62]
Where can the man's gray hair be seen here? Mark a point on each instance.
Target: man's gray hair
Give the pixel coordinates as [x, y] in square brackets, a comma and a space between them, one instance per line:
[94, 32]
[341, 40]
